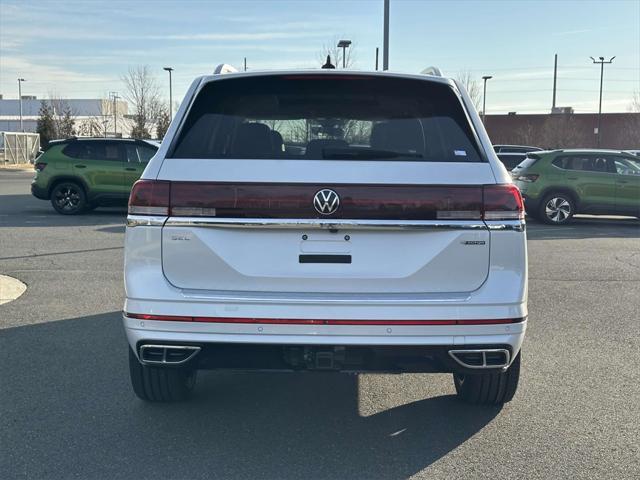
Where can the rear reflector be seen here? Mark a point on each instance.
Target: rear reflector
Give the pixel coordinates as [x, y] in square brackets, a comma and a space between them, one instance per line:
[150, 197]
[311, 321]
[357, 201]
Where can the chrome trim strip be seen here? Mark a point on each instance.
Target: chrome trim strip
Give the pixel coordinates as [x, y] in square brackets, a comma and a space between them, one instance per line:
[507, 356]
[506, 225]
[324, 298]
[328, 224]
[194, 350]
[145, 220]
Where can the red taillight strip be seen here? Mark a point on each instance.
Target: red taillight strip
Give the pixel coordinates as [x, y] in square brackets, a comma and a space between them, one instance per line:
[313, 321]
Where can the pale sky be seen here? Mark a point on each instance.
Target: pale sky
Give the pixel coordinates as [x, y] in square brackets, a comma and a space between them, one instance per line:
[81, 49]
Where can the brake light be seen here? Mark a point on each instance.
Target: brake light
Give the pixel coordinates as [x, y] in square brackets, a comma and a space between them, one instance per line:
[502, 202]
[530, 177]
[150, 197]
[40, 166]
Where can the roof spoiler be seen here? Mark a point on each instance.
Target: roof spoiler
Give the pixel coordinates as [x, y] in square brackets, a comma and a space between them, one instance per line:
[224, 68]
[433, 71]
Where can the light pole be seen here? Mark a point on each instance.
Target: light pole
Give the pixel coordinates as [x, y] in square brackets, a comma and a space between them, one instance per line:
[20, 80]
[385, 37]
[601, 62]
[484, 96]
[169, 69]
[115, 113]
[344, 44]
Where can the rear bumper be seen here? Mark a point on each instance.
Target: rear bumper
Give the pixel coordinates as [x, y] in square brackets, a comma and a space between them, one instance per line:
[39, 192]
[337, 358]
[386, 344]
[531, 204]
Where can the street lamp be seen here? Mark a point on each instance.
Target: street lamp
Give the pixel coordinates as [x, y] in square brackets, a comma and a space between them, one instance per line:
[344, 44]
[601, 62]
[20, 80]
[484, 96]
[169, 69]
[385, 37]
[115, 112]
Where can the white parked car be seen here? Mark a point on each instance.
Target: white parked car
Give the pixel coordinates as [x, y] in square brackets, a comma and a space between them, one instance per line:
[330, 221]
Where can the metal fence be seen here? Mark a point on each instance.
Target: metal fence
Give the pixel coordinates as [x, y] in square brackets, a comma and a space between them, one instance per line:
[17, 147]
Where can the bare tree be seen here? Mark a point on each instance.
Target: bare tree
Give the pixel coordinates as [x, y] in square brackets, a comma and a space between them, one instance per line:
[472, 87]
[635, 102]
[142, 93]
[92, 127]
[331, 49]
[526, 135]
[561, 131]
[630, 133]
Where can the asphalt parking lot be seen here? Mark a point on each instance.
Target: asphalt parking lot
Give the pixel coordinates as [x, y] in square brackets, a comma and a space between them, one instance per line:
[67, 410]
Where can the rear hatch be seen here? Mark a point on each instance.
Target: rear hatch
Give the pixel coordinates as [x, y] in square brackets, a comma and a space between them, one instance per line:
[317, 183]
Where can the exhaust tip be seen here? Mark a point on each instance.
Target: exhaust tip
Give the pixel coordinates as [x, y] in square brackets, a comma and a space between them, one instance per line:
[167, 354]
[482, 358]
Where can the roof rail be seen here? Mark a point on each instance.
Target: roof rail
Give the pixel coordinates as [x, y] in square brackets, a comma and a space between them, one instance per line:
[224, 68]
[433, 71]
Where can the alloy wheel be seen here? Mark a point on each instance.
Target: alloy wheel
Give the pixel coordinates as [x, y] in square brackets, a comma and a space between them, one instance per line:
[67, 198]
[557, 209]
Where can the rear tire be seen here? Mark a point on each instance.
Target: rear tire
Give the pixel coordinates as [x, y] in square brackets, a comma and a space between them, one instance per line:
[556, 209]
[488, 388]
[161, 384]
[68, 198]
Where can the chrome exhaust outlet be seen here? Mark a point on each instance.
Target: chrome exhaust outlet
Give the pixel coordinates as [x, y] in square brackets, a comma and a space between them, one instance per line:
[482, 358]
[167, 354]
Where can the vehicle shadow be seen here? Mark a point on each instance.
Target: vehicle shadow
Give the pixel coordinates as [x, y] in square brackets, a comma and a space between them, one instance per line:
[27, 211]
[585, 227]
[68, 411]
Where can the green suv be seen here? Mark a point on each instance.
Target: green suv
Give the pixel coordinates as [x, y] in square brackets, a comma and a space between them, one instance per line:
[557, 184]
[78, 174]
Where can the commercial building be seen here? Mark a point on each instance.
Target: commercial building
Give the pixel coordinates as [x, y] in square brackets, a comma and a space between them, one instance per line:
[566, 130]
[91, 116]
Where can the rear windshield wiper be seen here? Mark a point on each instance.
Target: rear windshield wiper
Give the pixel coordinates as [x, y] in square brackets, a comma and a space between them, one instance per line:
[365, 154]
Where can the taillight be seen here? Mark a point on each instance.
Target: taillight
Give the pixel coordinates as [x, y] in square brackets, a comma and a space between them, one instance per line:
[502, 202]
[530, 177]
[489, 202]
[150, 197]
[40, 166]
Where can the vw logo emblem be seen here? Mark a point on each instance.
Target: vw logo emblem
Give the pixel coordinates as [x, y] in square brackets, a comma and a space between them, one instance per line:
[326, 201]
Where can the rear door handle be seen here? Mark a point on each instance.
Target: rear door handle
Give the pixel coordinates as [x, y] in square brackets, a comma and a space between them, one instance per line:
[130, 169]
[79, 165]
[572, 178]
[623, 181]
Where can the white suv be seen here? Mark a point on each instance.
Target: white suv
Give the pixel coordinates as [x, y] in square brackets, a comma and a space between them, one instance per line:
[331, 221]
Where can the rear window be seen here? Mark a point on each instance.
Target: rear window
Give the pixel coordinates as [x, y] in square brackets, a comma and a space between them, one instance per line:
[528, 162]
[321, 117]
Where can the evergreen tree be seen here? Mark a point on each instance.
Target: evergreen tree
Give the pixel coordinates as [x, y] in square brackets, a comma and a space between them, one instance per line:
[46, 124]
[139, 129]
[162, 125]
[66, 127]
